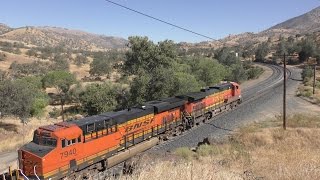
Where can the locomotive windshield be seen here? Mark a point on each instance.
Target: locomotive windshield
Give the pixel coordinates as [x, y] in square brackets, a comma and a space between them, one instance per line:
[44, 139]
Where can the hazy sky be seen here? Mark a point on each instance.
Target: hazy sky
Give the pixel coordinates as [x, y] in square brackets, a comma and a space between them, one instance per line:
[213, 18]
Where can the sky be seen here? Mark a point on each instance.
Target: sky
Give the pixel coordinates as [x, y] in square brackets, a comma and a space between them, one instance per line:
[213, 18]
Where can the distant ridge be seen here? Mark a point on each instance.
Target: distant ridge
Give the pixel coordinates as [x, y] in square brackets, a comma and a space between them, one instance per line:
[305, 23]
[53, 36]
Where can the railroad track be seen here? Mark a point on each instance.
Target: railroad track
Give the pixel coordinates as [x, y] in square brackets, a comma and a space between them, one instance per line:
[197, 134]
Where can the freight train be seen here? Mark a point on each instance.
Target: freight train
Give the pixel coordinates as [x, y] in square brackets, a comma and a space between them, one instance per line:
[107, 139]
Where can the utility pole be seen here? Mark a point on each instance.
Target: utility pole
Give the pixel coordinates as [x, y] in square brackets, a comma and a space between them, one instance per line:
[284, 91]
[312, 62]
[285, 88]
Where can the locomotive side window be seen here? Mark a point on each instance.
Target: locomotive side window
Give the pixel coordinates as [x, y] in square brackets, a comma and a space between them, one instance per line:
[90, 127]
[113, 129]
[64, 143]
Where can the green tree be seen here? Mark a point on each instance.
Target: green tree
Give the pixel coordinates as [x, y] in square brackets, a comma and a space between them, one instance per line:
[147, 56]
[161, 84]
[16, 99]
[61, 81]
[46, 52]
[34, 68]
[208, 71]
[32, 52]
[227, 57]
[3, 75]
[238, 73]
[40, 98]
[100, 65]
[308, 49]
[282, 47]
[98, 98]
[307, 73]
[139, 89]
[262, 51]
[60, 63]
[184, 83]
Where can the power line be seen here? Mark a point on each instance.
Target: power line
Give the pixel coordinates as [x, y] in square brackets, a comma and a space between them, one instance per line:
[157, 19]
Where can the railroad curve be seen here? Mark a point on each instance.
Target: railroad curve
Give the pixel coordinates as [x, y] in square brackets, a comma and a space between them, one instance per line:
[224, 123]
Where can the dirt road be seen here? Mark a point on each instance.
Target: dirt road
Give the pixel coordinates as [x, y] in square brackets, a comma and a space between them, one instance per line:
[8, 159]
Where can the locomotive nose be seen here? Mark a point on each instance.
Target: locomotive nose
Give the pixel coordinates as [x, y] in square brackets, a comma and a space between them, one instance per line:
[29, 164]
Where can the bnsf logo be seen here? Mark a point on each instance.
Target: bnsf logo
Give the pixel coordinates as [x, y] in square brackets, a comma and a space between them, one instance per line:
[139, 124]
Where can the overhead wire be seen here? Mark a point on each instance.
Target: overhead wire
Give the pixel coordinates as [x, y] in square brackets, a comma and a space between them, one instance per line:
[160, 20]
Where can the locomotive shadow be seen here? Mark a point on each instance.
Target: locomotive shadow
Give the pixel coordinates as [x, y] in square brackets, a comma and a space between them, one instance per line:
[218, 127]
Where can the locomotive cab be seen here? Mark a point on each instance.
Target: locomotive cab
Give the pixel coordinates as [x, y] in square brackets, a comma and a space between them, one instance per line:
[30, 155]
[51, 147]
[236, 91]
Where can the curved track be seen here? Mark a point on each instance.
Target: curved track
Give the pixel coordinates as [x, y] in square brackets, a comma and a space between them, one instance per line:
[224, 123]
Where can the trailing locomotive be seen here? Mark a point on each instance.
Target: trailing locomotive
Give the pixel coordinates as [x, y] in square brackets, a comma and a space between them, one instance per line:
[59, 150]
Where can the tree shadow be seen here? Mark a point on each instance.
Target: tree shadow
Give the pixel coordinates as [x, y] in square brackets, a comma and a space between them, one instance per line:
[295, 79]
[9, 127]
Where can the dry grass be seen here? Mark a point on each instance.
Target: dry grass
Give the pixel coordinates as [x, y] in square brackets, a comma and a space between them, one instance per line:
[14, 134]
[5, 65]
[260, 151]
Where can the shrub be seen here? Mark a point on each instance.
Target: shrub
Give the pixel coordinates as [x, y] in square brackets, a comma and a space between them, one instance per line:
[306, 93]
[184, 152]
[32, 52]
[38, 105]
[254, 72]
[207, 150]
[55, 113]
[307, 72]
[80, 60]
[3, 56]
[34, 68]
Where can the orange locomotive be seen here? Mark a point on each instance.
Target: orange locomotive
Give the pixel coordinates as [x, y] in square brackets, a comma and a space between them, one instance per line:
[63, 148]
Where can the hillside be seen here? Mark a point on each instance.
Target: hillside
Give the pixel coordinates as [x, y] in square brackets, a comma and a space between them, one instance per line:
[305, 23]
[53, 36]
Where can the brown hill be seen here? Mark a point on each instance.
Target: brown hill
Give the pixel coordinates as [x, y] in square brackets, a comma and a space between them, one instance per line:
[305, 23]
[53, 36]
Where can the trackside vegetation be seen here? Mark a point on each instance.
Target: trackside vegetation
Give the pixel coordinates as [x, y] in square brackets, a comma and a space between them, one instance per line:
[147, 71]
[257, 151]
